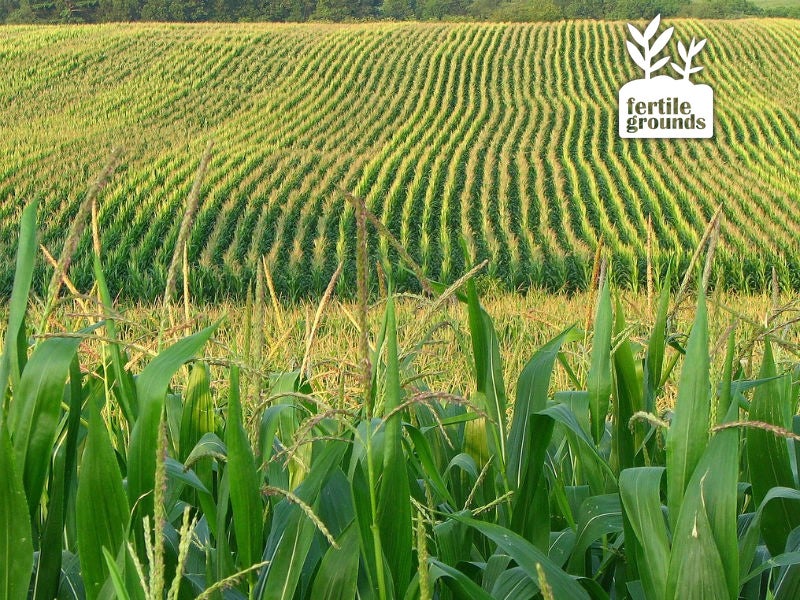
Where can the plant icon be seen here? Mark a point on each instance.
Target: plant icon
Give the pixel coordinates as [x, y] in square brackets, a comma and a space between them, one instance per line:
[687, 55]
[643, 39]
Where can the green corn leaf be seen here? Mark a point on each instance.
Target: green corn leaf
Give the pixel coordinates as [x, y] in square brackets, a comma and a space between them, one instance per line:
[116, 576]
[697, 571]
[18, 303]
[16, 541]
[598, 516]
[705, 536]
[208, 446]
[489, 373]
[590, 460]
[338, 572]
[125, 388]
[496, 564]
[244, 481]
[532, 389]
[102, 507]
[527, 556]
[453, 540]
[430, 471]
[656, 345]
[151, 390]
[531, 509]
[462, 586]
[514, 584]
[35, 411]
[639, 490]
[768, 457]
[293, 531]
[687, 436]
[63, 471]
[599, 380]
[394, 501]
[198, 416]
[628, 397]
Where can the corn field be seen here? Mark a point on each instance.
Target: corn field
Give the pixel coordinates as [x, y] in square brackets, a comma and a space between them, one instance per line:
[469, 141]
[167, 483]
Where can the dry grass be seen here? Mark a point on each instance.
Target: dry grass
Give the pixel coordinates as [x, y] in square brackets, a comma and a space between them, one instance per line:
[438, 334]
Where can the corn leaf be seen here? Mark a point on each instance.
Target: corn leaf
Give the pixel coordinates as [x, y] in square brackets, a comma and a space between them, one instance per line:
[102, 507]
[627, 396]
[243, 480]
[462, 586]
[598, 516]
[489, 373]
[656, 345]
[35, 411]
[532, 389]
[688, 434]
[394, 501]
[768, 457]
[151, 390]
[639, 490]
[16, 541]
[18, 303]
[531, 515]
[197, 418]
[514, 584]
[599, 380]
[293, 531]
[64, 461]
[705, 537]
[527, 556]
[338, 572]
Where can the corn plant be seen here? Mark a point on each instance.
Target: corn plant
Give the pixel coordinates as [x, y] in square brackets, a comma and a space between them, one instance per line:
[119, 484]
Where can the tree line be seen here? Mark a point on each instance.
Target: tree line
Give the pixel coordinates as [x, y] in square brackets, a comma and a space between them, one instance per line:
[96, 11]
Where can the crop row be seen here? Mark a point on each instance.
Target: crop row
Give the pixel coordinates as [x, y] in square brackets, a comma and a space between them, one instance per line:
[468, 141]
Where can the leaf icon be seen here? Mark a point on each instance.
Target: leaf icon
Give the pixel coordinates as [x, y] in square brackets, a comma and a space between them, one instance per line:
[699, 46]
[662, 40]
[682, 50]
[652, 27]
[678, 68]
[659, 64]
[638, 38]
[636, 55]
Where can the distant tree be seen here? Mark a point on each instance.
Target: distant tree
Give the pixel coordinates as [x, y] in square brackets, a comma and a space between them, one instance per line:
[334, 10]
[116, 10]
[582, 9]
[645, 9]
[438, 9]
[301, 10]
[398, 9]
[721, 9]
[526, 11]
[22, 13]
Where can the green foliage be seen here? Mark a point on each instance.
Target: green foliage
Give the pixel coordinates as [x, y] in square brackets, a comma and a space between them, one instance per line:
[322, 505]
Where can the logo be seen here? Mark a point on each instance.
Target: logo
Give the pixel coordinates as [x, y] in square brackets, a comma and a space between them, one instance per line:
[659, 106]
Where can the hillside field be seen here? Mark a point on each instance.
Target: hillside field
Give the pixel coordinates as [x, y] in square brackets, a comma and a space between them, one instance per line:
[504, 135]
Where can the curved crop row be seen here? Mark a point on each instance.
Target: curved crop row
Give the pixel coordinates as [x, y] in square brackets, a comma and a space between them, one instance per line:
[468, 141]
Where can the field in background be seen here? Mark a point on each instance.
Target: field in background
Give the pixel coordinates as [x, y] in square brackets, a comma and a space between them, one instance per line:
[505, 134]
